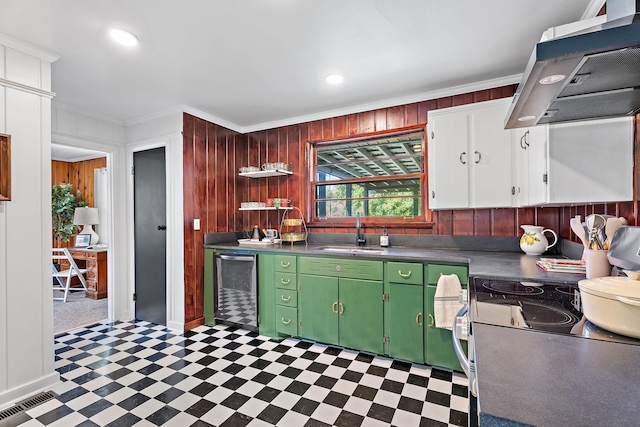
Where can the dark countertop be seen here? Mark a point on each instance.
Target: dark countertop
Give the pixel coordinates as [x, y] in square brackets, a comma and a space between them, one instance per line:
[487, 257]
[543, 379]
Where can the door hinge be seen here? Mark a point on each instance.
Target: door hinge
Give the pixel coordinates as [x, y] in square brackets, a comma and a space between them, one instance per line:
[135, 297]
[545, 178]
[386, 340]
[385, 297]
[132, 170]
[299, 323]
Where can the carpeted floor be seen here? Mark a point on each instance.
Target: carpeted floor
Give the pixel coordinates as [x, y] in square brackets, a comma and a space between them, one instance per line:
[77, 311]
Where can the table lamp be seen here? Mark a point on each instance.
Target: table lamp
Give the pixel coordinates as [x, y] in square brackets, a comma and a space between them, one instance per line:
[87, 217]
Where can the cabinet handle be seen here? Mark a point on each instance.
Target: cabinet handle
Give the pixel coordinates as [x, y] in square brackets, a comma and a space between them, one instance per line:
[432, 321]
[285, 299]
[524, 147]
[404, 275]
[284, 265]
[464, 153]
[334, 308]
[285, 282]
[341, 308]
[418, 321]
[526, 139]
[479, 156]
[285, 322]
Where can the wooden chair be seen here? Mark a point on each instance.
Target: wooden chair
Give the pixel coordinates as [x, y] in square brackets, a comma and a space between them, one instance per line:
[73, 271]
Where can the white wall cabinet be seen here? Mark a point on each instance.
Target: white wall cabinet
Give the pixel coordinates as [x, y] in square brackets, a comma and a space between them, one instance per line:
[578, 162]
[470, 156]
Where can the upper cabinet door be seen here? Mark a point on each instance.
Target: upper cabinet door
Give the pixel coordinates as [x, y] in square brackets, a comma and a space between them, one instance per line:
[591, 161]
[470, 156]
[448, 136]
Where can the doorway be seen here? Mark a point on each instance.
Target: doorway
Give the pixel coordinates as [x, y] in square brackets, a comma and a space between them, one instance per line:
[149, 216]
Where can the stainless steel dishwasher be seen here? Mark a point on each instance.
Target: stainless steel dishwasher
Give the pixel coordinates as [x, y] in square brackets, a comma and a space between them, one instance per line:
[236, 290]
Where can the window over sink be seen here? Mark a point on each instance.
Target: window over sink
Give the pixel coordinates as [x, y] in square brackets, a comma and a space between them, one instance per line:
[381, 176]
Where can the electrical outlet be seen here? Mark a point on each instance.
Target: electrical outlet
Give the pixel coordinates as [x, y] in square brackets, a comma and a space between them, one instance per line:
[196, 224]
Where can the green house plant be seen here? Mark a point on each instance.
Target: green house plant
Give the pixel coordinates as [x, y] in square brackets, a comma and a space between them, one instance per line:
[63, 204]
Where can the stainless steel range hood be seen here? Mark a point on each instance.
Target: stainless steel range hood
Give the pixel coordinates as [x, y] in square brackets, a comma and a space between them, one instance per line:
[600, 66]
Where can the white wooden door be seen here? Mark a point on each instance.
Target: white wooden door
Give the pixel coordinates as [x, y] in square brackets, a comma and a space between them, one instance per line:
[448, 150]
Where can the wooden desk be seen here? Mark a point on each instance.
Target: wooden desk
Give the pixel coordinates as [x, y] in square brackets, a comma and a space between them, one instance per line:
[95, 261]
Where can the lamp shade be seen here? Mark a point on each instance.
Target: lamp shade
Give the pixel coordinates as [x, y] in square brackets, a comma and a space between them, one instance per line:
[86, 216]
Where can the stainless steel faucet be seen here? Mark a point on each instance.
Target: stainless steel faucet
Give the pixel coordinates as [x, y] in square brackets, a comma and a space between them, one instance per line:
[360, 240]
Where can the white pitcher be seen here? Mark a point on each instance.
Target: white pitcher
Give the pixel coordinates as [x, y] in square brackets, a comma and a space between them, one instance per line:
[533, 241]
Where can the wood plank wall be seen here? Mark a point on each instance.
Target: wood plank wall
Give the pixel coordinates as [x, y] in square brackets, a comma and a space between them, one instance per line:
[78, 174]
[213, 191]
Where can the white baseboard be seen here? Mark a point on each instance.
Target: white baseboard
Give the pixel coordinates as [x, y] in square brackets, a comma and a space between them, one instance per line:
[10, 397]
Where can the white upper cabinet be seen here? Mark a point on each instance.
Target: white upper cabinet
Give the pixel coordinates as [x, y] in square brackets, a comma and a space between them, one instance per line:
[470, 156]
[578, 162]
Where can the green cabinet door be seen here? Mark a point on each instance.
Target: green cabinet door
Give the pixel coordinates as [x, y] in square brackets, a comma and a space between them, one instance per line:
[440, 350]
[361, 314]
[406, 322]
[318, 308]
[267, 295]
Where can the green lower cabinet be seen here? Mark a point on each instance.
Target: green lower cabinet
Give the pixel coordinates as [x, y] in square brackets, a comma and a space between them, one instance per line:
[406, 322]
[361, 315]
[318, 308]
[287, 320]
[346, 312]
[266, 295]
[438, 341]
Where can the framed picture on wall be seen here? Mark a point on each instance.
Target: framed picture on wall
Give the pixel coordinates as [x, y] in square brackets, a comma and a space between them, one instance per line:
[83, 240]
[5, 167]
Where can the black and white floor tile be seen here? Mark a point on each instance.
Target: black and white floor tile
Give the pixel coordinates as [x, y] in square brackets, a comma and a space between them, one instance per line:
[140, 374]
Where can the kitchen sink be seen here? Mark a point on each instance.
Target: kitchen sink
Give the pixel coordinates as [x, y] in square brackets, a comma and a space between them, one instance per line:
[344, 249]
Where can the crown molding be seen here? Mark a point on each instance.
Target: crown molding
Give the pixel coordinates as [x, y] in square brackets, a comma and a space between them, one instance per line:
[30, 49]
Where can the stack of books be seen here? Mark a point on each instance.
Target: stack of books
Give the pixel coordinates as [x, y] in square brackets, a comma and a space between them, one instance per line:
[561, 265]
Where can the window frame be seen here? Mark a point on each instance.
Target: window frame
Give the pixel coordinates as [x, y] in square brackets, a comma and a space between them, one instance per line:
[424, 220]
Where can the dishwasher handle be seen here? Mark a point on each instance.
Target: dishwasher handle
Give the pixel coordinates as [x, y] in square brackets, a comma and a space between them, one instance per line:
[462, 358]
[235, 257]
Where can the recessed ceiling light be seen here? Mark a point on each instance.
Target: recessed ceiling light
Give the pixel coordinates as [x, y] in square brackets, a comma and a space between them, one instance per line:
[526, 118]
[555, 78]
[123, 37]
[334, 79]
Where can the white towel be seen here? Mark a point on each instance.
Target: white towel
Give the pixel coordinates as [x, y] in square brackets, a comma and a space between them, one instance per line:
[446, 304]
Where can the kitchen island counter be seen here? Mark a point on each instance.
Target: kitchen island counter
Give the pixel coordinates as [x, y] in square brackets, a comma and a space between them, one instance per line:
[536, 378]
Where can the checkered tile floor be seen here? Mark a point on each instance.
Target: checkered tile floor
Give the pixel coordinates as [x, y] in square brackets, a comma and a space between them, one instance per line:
[140, 374]
[238, 307]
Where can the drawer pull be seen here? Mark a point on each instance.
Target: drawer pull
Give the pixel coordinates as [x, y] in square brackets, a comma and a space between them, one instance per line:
[341, 309]
[418, 319]
[285, 299]
[334, 308]
[285, 322]
[285, 282]
[432, 321]
[284, 264]
[404, 275]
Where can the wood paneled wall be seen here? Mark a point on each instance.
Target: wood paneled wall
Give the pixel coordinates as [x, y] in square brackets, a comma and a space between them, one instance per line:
[78, 174]
[213, 191]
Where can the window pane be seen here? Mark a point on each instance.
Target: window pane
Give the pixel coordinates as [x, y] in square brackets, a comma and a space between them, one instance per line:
[376, 198]
[392, 156]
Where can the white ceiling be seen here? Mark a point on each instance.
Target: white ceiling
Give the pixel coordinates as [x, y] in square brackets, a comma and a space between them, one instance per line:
[256, 64]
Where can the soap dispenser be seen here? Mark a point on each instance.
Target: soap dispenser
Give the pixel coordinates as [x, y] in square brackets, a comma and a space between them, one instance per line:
[384, 239]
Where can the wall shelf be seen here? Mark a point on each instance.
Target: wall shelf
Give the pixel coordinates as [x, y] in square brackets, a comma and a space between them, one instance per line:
[264, 174]
[265, 208]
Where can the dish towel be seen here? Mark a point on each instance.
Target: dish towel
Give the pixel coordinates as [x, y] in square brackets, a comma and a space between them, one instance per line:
[446, 304]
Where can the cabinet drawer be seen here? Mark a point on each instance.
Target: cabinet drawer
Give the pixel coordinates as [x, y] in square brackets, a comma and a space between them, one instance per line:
[405, 272]
[286, 281]
[286, 297]
[435, 270]
[339, 267]
[286, 263]
[286, 320]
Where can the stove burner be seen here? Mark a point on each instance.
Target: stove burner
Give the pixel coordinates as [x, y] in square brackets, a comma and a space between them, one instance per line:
[541, 315]
[567, 290]
[513, 288]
